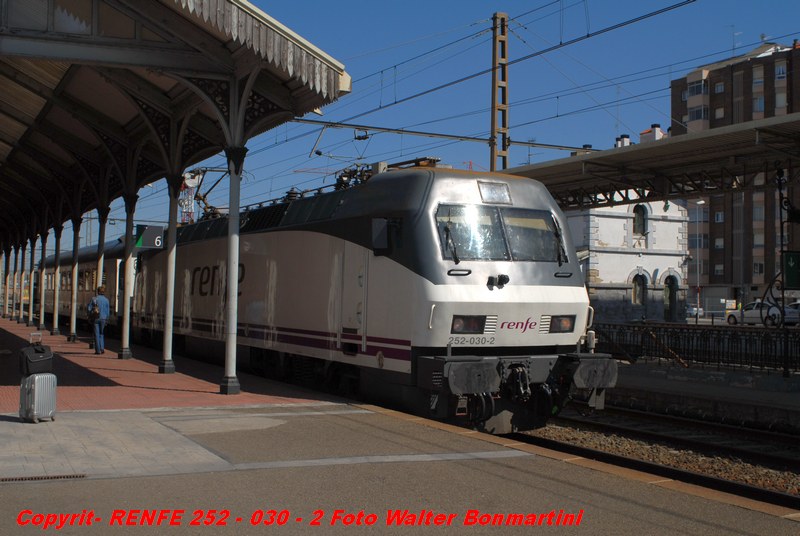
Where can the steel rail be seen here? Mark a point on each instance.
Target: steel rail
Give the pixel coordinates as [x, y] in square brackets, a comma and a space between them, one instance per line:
[750, 447]
[665, 471]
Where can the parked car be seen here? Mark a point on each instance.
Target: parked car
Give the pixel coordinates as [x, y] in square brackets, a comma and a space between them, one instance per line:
[693, 310]
[759, 312]
[792, 314]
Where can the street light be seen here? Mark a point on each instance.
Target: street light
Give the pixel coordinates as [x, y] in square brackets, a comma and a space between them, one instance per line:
[699, 203]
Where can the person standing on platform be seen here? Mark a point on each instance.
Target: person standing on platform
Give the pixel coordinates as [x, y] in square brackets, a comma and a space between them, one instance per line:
[99, 309]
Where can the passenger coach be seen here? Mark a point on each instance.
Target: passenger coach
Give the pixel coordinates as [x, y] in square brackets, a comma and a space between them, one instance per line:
[113, 276]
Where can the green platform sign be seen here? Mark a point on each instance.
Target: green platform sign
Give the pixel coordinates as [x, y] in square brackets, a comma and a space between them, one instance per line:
[149, 237]
[791, 270]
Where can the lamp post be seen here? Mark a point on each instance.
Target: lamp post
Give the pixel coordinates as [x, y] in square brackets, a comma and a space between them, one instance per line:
[785, 206]
[698, 235]
[788, 214]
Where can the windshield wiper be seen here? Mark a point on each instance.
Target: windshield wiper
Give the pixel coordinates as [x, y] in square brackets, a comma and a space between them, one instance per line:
[448, 239]
[561, 253]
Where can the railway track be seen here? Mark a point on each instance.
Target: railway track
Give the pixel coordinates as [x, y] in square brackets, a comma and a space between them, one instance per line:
[696, 451]
[760, 447]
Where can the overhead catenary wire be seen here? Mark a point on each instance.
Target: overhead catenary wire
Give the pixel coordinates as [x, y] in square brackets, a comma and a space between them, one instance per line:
[563, 114]
[143, 201]
[524, 58]
[463, 79]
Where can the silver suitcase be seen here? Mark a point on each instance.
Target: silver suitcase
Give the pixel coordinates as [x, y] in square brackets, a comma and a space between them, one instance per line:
[37, 397]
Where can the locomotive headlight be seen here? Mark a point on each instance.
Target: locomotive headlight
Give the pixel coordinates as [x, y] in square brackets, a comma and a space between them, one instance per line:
[467, 324]
[562, 324]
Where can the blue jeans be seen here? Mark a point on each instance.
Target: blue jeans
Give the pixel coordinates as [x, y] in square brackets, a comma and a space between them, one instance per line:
[99, 339]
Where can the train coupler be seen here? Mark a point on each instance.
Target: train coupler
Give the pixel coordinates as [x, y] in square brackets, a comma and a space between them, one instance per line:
[519, 383]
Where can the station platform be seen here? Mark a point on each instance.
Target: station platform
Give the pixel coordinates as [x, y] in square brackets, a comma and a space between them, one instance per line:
[131, 449]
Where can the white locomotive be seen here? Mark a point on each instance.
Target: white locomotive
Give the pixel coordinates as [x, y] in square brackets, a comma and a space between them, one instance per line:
[454, 293]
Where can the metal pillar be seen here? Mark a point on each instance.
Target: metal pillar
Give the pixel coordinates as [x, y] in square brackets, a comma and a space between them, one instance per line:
[30, 281]
[102, 217]
[167, 365]
[230, 383]
[699, 237]
[130, 208]
[56, 278]
[6, 281]
[230, 101]
[73, 301]
[14, 283]
[499, 141]
[42, 282]
[21, 314]
[785, 204]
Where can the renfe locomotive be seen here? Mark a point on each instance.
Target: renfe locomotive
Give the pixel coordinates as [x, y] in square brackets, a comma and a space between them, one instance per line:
[453, 293]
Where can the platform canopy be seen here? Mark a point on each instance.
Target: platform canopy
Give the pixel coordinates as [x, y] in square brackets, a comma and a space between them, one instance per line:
[101, 97]
[692, 165]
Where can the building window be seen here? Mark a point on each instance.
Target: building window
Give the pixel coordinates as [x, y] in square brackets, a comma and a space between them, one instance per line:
[639, 290]
[758, 104]
[758, 268]
[719, 243]
[719, 269]
[758, 76]
[758, 213]
[780, 99]
[697, 88]
[719, 217]
[719, 87]
[698, 241]
[780, 70]
[683, 96]
[639, 220]
[758, 240]
[698, 113]
[719, 113]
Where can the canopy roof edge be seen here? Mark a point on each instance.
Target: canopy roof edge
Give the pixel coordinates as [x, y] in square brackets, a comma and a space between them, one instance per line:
[272, 41]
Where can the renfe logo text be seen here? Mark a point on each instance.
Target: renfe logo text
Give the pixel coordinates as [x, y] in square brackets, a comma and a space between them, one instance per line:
[522, 326]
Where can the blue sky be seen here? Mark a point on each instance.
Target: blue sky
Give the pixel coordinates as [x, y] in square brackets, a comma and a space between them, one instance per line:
[588, 92]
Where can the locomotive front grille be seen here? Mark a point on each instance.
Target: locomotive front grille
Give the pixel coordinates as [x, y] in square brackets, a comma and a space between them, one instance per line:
[491, 324]
[544, 324]
[437, 378]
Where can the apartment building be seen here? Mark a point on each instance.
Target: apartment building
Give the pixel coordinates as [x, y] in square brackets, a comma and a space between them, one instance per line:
[735, 239]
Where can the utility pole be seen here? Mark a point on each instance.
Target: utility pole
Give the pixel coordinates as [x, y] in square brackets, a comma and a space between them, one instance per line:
[499, 140]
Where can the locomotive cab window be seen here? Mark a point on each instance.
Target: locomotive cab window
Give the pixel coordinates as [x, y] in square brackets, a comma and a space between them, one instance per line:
[474, 232]
[532, 235]
[470, 232]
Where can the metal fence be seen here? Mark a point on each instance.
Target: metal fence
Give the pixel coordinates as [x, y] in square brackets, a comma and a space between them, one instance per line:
[753, 348]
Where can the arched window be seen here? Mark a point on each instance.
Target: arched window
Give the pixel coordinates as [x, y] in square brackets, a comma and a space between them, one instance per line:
[639, 289]
[671, 298]
[639, 220]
